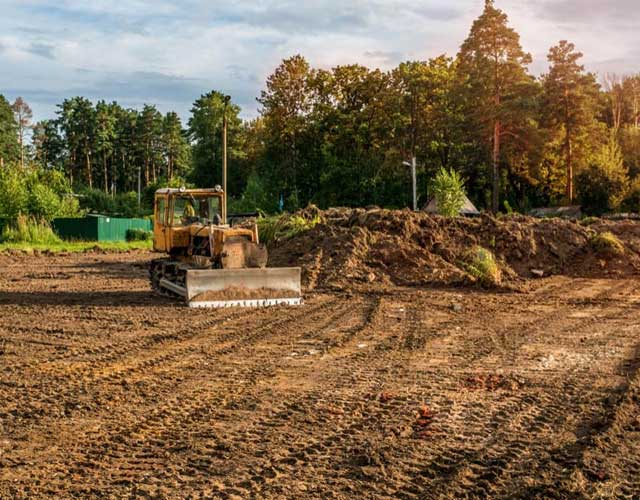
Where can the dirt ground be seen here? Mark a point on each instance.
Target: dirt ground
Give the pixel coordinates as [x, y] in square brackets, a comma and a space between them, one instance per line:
[107, 391]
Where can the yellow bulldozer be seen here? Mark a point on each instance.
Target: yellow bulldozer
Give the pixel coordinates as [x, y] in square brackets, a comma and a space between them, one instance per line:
[208, 262]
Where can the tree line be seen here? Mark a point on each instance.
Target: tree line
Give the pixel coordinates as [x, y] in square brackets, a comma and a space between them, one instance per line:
[340, 136]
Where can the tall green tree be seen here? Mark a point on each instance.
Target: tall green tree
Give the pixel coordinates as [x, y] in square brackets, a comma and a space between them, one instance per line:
[77, 121]
[105, 133]
[149, 141]
[286, 104]
[23, 114]
[9, 146]
[570, 101]
[205, 132]
[175, 147]
[494, 75]
[49, 145]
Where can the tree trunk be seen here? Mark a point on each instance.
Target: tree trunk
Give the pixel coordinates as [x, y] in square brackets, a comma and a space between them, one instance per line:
[495, 203]
[569, 159]
[21, 147]
[89, 176]
[106, 177]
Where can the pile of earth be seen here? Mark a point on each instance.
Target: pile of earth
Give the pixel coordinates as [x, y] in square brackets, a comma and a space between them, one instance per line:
[357, 248]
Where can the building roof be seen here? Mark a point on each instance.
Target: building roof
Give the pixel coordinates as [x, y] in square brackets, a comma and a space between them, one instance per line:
[467, 209]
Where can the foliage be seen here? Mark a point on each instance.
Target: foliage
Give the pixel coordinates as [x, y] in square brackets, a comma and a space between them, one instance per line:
[607, 244]
[275, 228]
[495, 85]
[205, 132]
[570, 98]
[77, 246]
[481, 265]
[122, 205]
[254, 198]
[14, 193]
[448, 190]
[339, 136]
[9, 145]
[29, 230]
[138, 235]
[603, 186]
[632, 201]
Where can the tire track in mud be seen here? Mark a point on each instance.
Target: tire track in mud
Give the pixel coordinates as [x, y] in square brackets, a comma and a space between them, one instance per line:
[192, 402]
[535, 418]
[190, 341]
[315, 411]
[257, 430]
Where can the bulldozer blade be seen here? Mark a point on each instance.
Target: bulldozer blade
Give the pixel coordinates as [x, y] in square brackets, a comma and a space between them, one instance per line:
[221, 288]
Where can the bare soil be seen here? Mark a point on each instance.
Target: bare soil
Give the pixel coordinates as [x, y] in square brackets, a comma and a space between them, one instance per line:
[380, 249]
[240, 293]
[108, 391]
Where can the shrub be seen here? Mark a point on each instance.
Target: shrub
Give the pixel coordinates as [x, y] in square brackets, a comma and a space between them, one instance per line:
[607, 244]
[29, 230]
[632, 201]
[448, 190]
[481, 264]
[274, 228]
[604, 184]
[44, 203]
[14, 195]
[70, 208]
[138, 235]
[254, 198]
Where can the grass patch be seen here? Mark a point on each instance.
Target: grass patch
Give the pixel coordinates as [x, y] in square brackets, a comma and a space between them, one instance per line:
[607, 244]
[282, 227]
[589, 221]
[27, 230]
[482, 265]
[138, 235]
[78, 246]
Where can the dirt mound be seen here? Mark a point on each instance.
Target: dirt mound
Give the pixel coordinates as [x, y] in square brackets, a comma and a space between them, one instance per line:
[354, 248]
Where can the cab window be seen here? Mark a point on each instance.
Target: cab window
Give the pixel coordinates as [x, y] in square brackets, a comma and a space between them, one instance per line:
[189, 210]
[161, 205]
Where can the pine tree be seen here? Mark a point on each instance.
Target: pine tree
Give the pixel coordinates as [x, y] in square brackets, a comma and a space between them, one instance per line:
[493, 67]
[23, 116]
[570, 97]
[9, 147]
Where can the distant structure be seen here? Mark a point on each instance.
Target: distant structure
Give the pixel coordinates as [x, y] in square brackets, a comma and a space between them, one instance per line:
[574, 212]
[468, 209]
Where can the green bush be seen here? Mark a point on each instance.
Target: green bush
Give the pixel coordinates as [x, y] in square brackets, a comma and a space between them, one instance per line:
[280, 227]
[604, 184]
[44, 203]
[138, 235]
[607, 244]
[29, 230]
[448, 190]
[254, 198]
[14, 195]
[481, 264]
[120, 205]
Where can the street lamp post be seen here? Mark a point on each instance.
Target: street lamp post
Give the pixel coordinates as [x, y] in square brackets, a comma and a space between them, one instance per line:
[414, 184]
[224, 154]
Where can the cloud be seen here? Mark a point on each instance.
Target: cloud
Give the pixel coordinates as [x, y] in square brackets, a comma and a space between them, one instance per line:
[42, 49]
[624, 13]
[169, 52]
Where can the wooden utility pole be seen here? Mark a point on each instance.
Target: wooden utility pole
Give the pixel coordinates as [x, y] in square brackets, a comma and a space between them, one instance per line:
[224, 156]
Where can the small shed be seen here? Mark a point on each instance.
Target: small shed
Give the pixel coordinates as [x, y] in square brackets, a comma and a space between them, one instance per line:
[98, 228]
[572, 212]
[468, 209]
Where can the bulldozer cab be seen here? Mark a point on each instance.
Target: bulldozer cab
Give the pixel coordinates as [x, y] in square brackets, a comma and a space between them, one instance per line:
[176, 210]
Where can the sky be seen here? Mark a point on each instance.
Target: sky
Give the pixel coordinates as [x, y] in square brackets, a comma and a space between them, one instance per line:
[169, 52]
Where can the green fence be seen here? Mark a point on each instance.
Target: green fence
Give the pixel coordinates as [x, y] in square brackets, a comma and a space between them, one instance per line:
[98, 228]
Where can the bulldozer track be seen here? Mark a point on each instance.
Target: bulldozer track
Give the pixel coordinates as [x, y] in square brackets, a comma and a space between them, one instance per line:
[525, 395]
